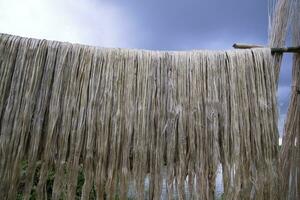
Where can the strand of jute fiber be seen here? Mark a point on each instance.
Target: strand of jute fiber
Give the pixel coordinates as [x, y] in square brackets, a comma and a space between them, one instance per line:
[290, 151]
[125, 116]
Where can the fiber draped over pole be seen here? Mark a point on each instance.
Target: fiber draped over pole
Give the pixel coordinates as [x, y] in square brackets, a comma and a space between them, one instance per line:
[279, 18]
[290, 151]
[286, 17]
[135, 121]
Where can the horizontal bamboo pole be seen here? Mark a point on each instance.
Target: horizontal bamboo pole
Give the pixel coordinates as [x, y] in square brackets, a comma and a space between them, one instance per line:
[273, 50]
[246, 46]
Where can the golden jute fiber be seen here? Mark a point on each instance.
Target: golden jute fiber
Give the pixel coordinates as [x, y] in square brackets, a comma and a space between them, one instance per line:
[135, 121]
[290, 151]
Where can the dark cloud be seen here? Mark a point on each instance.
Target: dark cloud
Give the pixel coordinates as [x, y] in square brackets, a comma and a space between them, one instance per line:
[168, 24]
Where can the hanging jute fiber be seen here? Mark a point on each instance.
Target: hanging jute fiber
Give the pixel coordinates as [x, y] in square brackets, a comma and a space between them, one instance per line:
[95, 123]
[279, 21]
[290, 151]
[286, 17]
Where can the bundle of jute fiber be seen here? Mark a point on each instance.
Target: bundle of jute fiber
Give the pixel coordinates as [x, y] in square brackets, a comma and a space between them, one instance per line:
[279, 24]
[85, 122]
[279, 21]
[290, 151]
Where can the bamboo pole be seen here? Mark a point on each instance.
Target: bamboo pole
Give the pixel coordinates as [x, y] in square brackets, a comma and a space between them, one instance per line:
[273, 50]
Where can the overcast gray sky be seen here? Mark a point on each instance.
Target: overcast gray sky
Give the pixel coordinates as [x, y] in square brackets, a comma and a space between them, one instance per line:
[146, 24]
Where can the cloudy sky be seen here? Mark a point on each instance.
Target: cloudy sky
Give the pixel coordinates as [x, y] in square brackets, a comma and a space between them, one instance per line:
[155, 24]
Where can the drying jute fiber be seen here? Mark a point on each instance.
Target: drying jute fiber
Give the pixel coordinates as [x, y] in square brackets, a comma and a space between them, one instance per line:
[133, 122]
[290, 151]
[285, 17]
